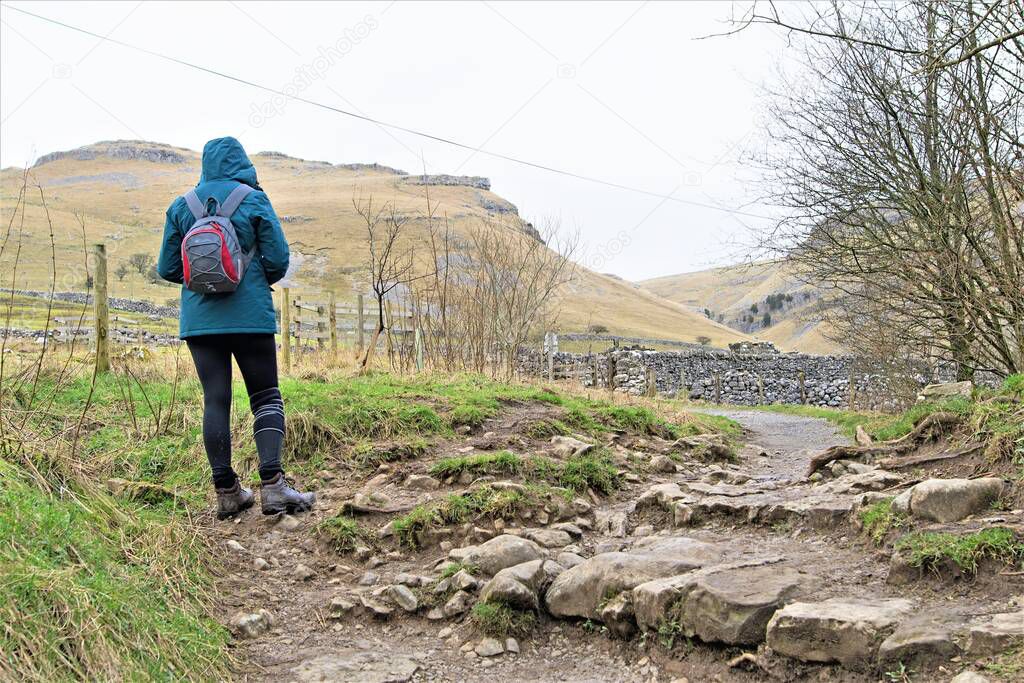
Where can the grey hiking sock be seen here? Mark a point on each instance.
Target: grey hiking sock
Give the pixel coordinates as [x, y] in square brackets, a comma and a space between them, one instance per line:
[268, 429]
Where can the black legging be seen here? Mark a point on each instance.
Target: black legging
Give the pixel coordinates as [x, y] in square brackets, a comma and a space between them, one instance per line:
[256, 355]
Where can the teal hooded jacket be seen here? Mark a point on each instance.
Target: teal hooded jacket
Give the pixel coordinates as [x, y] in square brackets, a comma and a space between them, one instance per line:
[250, 308]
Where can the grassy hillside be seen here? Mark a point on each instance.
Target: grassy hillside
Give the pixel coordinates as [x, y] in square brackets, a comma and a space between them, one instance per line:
[740, 296]
[121, 190]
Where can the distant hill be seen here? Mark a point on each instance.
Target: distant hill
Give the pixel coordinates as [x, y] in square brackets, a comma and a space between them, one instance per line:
[764, 299]
[121, 189]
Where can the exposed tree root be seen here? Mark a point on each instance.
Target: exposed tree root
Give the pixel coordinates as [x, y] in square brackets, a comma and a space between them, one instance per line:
[897, 463]
[928, 429]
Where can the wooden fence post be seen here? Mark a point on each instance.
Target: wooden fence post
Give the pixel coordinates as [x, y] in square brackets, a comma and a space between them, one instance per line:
[333, 321]
[760, 389]
[718, 388]
[102, 309]
[594, 372]
[321, 327]
[298, 325]
[652, 383]
[852, 389]
[803, 386]
[611, 371]
[286, 330]
[549, 343]
[359, 323]
[682, 391]
[418, 349]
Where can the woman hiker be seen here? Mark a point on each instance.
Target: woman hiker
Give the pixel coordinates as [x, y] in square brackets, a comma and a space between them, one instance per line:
[223, 242]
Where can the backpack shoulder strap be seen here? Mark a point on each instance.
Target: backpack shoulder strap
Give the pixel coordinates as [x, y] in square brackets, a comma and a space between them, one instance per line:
[234, 199]
[194, 205]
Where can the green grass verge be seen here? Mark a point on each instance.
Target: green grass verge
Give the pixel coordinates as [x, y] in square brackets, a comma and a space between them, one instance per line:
[371, 455]
[452, 568]
[456, 508]
[704, 423]
[1014, 385]
[501, 621]
[92, 588]
[547, 428]
[1008, 665]
[343, 533]
[904, 423]
[879, 518]
[502, 462]
[929, 549]
[592, 470]
[578, 472]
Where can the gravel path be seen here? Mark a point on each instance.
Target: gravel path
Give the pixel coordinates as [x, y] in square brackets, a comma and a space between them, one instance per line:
[790, 440]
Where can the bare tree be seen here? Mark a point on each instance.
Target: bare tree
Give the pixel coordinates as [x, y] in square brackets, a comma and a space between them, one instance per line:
[390, 261]
[999, 22]
[904, 179]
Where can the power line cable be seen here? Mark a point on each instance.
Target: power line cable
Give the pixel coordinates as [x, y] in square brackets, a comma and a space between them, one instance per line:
[385, 124]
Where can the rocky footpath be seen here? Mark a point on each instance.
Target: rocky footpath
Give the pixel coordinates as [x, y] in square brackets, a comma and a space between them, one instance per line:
[701, 567]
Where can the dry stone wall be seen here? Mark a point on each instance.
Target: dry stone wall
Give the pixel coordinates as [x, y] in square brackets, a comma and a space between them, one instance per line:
[728, 376]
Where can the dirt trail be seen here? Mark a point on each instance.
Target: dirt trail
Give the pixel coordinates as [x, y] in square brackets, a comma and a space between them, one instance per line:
[790, 440]
[285, 569]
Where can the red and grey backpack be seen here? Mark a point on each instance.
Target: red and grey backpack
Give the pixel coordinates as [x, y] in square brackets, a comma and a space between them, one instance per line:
[213, 261]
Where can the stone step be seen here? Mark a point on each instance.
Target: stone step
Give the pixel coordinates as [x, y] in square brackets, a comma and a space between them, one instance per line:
[935, 637]
[583, 590]
[847, 631]
[823, 506]
[729, 604]
[863, 633]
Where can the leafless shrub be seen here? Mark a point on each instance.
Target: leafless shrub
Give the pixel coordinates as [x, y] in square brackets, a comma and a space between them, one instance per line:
[490, 292]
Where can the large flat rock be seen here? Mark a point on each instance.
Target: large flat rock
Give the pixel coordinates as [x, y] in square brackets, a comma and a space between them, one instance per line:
[873, 480]
[662, 495]
[729, 490]
[848, 631]
[357, 666]
[934, 637]
[950, 500]
[821, 510]
[995, 633]
[727, 604]
[923, 640]
[578, 592]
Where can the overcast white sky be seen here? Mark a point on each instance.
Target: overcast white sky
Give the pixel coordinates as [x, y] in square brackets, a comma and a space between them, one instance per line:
[618, 91]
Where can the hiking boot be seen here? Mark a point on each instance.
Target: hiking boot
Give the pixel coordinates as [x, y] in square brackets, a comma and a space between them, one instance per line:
[233, 500]
[277, 496]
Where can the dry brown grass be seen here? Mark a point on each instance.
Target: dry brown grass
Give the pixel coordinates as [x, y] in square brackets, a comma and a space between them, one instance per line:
[732, 289]
[128, 214]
